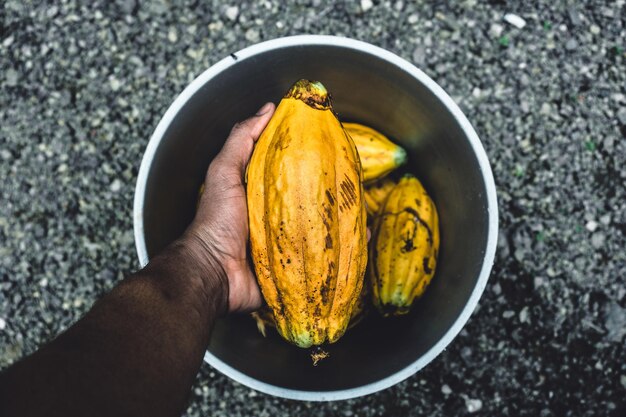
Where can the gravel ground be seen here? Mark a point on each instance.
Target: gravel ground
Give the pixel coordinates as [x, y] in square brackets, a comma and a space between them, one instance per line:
[83, 84]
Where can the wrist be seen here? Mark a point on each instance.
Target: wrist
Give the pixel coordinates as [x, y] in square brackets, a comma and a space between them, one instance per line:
[188, 259]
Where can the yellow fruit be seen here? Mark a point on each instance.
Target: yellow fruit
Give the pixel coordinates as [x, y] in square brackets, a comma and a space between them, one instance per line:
[404, 247]
[379, 156]
[376, 193]
[307, 218]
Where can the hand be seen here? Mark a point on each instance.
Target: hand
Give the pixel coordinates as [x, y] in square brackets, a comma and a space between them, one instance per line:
[218, 234]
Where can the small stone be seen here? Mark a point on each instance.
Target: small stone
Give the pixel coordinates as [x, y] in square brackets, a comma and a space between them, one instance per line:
[594, 29]
[574, 16]
[618, 97]
[11, 77]
[497, 289]
[508, 314]
[413, 19]
[158, 6]
[298, 23]
[448, 22]
[546, 109]
[43, 282]
[5, 155]
[571, 44]
[622, 380]
[495, 30]
[538, 282]
[172, 35]
[466, 354]
[232, 12]
[607, 11]
[597, 240]
[3, 323]
[515, 20]
[8, 41]
[523, 315]
[446, 390]
[419, 55]
[591, 226]
[115, 83]
[366, 5]
[606, 219]
[473, 405]
[127, 6]
[116, 185]
[252, 35]
[52, 11]
[621, 115]
[524, 106]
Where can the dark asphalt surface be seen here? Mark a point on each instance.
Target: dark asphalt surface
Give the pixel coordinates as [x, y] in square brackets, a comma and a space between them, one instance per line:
[83, 84]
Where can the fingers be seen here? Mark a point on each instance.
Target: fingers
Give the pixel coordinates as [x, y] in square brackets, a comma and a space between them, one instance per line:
[238, 147]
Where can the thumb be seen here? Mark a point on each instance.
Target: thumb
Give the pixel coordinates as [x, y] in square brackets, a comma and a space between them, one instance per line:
[238, 147]
[244, 294]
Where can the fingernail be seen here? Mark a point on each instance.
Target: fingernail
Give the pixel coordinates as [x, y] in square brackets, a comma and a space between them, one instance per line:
[266, 107]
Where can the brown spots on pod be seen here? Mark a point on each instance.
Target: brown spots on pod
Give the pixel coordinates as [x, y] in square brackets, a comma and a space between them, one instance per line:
[325, 290]
[330, 198]
[331, 267]
[427, 269]
[324, 294]
[422, 222]
[283, 141]
[409, 238]
[327, 218]
[329, 241]
[348, 193]
[412, 211]
[329, 213]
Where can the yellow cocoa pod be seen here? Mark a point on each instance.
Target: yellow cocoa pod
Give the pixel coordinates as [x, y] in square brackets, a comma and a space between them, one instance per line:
[379, 156]
[376, 193]
[404, 247]
[307, 218]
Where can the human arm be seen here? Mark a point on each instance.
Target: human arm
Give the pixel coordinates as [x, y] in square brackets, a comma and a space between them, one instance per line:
[137, 351]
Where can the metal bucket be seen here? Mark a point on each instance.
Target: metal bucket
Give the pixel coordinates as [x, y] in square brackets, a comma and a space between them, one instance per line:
[372, 86]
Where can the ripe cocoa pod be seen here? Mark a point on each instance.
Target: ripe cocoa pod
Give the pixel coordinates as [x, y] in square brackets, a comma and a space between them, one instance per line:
[307, 217]
[376, 193]
[404, 247]
[379, 156]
